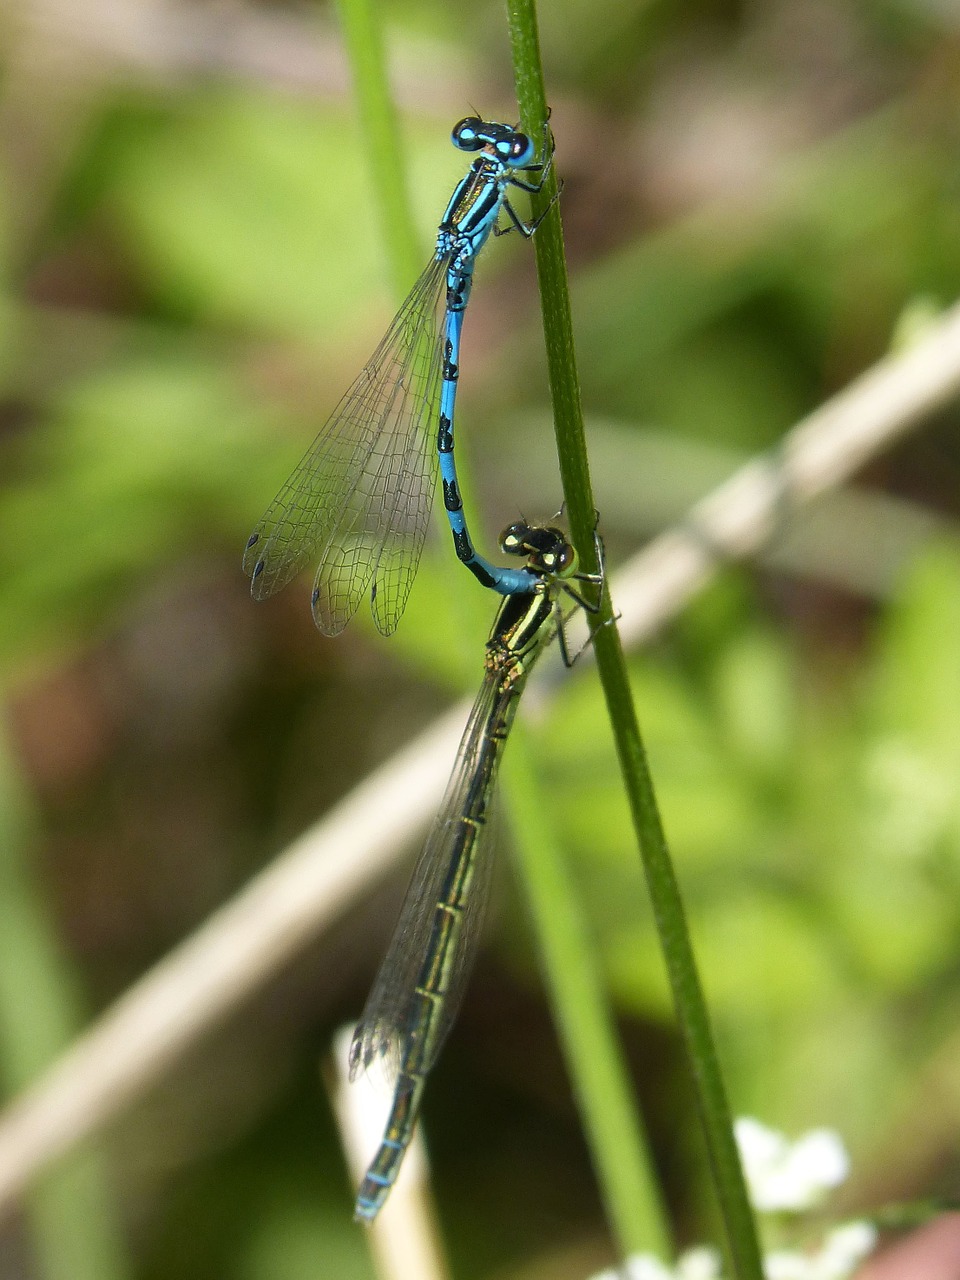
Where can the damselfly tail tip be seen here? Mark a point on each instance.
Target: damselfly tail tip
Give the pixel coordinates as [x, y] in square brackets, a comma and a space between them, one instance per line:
[371, 1198]
[364, 1213]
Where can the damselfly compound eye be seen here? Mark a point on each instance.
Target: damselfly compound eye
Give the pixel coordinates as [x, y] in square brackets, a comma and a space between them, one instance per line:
[466, 134]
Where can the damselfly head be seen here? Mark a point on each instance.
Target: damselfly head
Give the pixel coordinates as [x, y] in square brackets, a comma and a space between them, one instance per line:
[545, 546]
[509, 145]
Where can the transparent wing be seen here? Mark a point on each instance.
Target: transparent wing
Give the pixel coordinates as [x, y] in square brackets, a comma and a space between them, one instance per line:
[359, 499]
[389, 1011]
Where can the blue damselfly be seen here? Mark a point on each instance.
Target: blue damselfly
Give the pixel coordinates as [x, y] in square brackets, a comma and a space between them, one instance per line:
[358, 502]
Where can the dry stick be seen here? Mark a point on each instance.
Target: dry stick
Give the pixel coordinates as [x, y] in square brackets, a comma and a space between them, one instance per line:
[335, 863]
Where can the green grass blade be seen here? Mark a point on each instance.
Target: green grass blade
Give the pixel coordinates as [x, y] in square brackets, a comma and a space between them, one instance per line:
[668, 908]
[365, 51]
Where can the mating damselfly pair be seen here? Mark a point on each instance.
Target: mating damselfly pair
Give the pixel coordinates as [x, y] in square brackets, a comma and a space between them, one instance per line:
[358, 504]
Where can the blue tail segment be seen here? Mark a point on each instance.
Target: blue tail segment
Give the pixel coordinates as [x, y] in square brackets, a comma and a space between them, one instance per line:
[469, 219]
[385, 1167]
[507, 582]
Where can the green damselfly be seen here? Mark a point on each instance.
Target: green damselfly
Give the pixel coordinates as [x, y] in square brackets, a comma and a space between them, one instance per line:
[421, 981]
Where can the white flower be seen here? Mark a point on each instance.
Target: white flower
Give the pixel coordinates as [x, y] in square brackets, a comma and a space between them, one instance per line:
[701, 1263]
[639, 1266]
[846, 1247]
[695, 1264]
[785, 1264]
[792, 1176]
[841, 1253]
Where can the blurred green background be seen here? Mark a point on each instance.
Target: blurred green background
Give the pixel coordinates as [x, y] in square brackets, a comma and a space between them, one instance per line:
[758, 198]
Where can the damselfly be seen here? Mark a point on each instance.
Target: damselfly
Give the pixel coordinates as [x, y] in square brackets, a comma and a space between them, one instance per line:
[421, 981]
[359, 500]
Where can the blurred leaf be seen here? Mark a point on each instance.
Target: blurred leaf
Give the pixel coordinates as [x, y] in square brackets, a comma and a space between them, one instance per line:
[912, 758]
[716, 324]
[916, 682]
[761, 952]
[255, 211]
[251, 210]
[753, 686]
[901, 927]
[294, 1237]
[709, 814]
[137, 466]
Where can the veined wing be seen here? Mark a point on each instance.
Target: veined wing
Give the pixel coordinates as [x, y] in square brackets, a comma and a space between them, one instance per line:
[390, 1012]
[359, 499]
